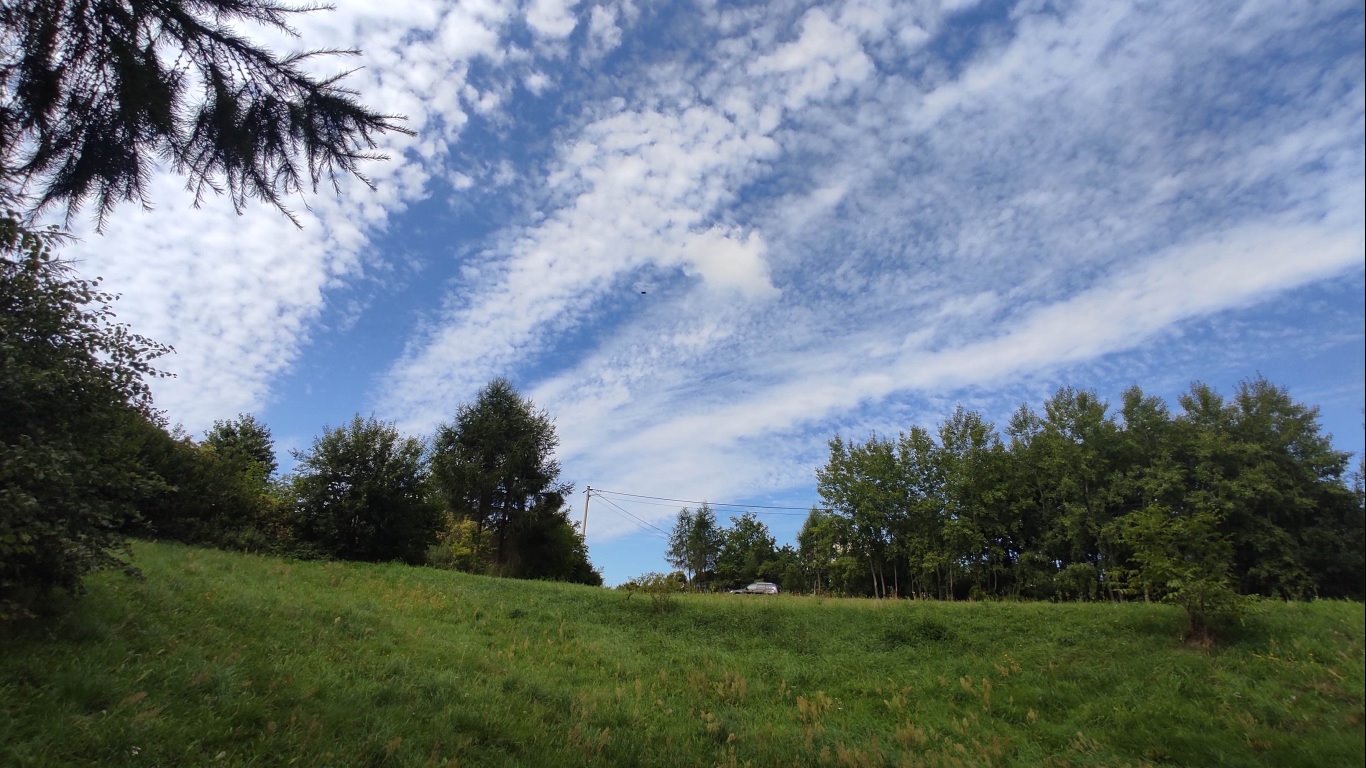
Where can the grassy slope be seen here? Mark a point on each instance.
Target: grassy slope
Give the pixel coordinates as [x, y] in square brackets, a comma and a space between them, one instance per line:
[237, 660]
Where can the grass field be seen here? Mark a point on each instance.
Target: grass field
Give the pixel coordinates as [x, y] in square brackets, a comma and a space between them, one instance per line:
[225, 659]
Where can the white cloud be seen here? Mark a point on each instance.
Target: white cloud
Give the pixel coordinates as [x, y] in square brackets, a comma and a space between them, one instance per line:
[837, 224]
[238, 296]
[639, 190]
[604, 35]
[463, 36]
[824, 56]
[630, 431]
[729, 260]
[537, 82]
[215, 286]
[552, 19]
[1046, 207]
[1231, 269]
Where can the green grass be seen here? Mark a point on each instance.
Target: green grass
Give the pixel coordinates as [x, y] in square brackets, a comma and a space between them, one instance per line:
[225, 659]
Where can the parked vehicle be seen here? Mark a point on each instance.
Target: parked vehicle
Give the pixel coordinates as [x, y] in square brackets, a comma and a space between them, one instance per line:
[757, 588]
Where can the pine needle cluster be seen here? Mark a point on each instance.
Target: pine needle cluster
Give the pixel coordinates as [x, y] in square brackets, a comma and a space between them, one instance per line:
[95, 93]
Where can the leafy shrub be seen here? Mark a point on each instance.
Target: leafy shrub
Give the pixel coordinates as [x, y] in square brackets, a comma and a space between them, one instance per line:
[1078, 581]
[71, 379]
[362, 494]
[1183, 558]
[1213, 608]
[460, 546]
[204, 497]
[660, 588]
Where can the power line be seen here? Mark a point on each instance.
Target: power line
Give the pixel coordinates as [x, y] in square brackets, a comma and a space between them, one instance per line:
[729, 507]
[646, 523]
[639, 521]
[773, 509]
[642, 502]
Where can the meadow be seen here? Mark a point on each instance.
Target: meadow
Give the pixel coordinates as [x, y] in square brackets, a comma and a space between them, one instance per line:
[214, 658]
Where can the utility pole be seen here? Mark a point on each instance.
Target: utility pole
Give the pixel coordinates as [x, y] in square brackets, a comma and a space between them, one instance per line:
[587, 497]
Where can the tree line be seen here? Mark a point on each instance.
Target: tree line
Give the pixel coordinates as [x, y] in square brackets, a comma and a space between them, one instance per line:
[86, 461]
[711, 556]
[1222, 498]
[482, 496]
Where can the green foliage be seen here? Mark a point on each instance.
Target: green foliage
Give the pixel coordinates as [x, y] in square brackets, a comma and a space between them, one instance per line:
[822, 541]
[1279, 478]
[206, 495]
[362, 494]
[546, 545]
[1076, 581]
[97, 92]
[786, 569]
[1253, 493]
[460, 547]
[695, 543]
[1335, 548]
[246, 443]
[1183, 559]
[661, 589]
[494, 465]
[861, 484]
[71, 378]
[748, 554]
[237, 660]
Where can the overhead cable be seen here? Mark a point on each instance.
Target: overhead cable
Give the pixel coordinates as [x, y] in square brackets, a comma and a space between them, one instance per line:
[646, 523]
[772, 509]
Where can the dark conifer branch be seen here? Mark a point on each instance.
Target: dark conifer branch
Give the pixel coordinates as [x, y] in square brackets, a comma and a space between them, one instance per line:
[92, 90]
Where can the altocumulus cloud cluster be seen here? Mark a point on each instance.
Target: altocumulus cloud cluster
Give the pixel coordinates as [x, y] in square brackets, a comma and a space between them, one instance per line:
[844, 216]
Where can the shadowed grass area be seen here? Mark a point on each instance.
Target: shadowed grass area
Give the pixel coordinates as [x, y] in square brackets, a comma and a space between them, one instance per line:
[228, 659]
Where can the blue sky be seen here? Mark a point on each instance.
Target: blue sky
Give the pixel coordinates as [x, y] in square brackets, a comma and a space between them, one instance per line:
[708, 236]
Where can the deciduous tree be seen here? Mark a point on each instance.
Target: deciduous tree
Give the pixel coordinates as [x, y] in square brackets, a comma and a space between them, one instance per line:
[748, 553]
[1229, 496]
[821, 541]
[71, 378]
[362, 494]
[245, 442]
[494, 465]
[694, 544]
[861, 482]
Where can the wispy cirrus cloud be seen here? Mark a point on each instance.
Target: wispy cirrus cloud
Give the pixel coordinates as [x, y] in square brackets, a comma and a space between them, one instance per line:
[843, 216]
[240, 296]
[1087, 178]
